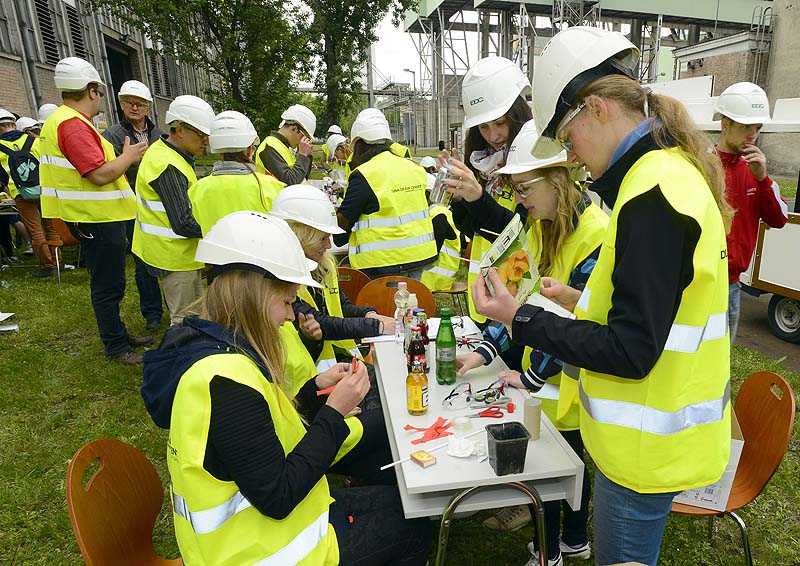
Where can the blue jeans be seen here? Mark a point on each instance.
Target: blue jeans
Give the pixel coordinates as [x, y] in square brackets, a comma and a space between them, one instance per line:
[628, 526]
[734, 302]
[151, 304]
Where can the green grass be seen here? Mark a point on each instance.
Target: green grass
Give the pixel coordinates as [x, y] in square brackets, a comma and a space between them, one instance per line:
[788, 187]
[58, 393]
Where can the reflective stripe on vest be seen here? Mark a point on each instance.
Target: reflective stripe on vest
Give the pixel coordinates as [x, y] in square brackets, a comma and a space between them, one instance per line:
[328, 363]
[210, 520]
[647, 419]
[684, 338]
[442, 271]
[386, 222]
[155, 205]
[159, 231]
[391, 244]
[87, 195]
[301, 545]
[57, 161]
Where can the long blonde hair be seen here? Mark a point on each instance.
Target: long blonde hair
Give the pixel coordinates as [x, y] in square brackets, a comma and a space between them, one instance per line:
[672, 127]
[555, 232]
[309, 237]
[240, 301]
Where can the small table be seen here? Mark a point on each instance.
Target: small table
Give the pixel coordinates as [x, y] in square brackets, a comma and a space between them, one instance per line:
[552, 469]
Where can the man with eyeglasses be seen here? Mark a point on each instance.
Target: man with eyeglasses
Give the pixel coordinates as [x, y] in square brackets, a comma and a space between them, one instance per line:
[83, 182]
[287, 152]
[166, 233]
[135, 100]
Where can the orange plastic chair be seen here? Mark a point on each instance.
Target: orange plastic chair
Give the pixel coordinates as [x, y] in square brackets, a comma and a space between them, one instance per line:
[765, 408]
[113, 515]
[66, 239]
[379, 294]
[351, 281]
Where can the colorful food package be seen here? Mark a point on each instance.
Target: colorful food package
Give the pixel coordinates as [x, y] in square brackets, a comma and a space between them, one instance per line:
[511, 255]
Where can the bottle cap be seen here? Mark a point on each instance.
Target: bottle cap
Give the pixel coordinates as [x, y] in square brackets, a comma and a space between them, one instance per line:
[402, 285]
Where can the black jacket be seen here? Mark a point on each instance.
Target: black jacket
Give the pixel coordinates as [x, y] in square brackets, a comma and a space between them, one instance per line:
[117, 133]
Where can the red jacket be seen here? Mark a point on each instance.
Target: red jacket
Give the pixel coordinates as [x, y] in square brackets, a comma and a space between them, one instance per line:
[753, 200]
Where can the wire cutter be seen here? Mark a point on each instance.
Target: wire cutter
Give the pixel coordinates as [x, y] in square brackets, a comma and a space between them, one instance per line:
[490, 413]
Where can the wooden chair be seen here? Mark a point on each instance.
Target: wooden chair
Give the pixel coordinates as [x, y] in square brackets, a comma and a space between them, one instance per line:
[66, 239]
[113, 515]
[458, 292]
[765, 408]
[379, 294]
[351, 281]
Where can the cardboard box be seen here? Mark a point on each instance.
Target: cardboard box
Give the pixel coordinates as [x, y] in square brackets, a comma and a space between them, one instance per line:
[715, 496]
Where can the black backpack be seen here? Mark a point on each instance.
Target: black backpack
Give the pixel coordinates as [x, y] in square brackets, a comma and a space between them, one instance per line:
[24, 169]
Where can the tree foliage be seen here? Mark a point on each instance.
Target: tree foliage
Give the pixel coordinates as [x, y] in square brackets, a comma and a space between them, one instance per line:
[255, 51]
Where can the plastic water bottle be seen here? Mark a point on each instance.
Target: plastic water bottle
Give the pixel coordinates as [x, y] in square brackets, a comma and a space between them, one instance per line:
[410, 322]
[401, 302]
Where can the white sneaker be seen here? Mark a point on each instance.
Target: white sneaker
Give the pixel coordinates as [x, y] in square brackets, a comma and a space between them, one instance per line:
[534, 561]
[509, 519]
[583, 551]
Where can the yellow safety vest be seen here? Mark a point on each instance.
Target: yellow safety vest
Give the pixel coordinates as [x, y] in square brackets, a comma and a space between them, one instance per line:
[67, 195]
[400, 232]
[440, 276]
[671, 430]
[153, 238]
[326, 152]
[16, 145]
[283, 150]
[214, 523]
[327, 358]
[400, 150]
[481, 245]
[216, 196]
[564, 412]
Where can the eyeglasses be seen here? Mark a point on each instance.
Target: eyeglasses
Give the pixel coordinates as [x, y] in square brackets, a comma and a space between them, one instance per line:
[523, 188]
[134, 104]
[195, 130]
[459, 398]
[567, 143]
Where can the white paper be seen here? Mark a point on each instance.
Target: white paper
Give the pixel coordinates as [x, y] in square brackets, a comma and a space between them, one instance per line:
[467, 328]
[549, 391]
[5, 315]
[539, 300]
[381, 338]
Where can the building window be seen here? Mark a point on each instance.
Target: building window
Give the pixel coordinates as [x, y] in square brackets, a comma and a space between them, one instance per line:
[76, 31]
[5, 38]
[44, 16]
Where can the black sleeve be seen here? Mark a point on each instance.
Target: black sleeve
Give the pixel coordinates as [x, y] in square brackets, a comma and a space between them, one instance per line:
[442, 230]
[172, 188]
[242, 439]
[462, 218]
[275, 164]
[337, 328]
[359, 199]
[653, 266]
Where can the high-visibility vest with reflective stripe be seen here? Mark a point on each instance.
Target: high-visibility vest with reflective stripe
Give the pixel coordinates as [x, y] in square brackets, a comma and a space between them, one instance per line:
[327, 357]
[153, 238]
[588, 235]
[480, 246]
[67, 195]
[400, 150]
[214, 523]
[15, 145]
[216, 196]
[441, 275]
[671, 430]
[401, 231]
[326, 153]
[283, 150]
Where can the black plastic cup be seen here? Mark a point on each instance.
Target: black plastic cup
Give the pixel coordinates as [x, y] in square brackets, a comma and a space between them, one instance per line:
[508, 445]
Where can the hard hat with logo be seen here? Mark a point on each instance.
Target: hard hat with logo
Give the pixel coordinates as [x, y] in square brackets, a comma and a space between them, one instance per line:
[427, 161]
[334, 141]
[231, 131]
[44, 111]
[745, 103]
[490, 88]
[246, 238]
[6, 117]
[573, 58]
[135, 88]
[307, 205]
[520, 159]
[301, 115]
[192, 110]
[371, 126]
[75, 74]
[334, 129]
[25, 123]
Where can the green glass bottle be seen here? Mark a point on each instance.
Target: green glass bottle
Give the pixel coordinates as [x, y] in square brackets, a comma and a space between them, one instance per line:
[445, 350]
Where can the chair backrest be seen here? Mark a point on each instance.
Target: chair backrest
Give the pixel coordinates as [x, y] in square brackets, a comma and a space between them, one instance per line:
[63, 232]
[351, 281]
[765, 408]
[379, 294]
[113, 515]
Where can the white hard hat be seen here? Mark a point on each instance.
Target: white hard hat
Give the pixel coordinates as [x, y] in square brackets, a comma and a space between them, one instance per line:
[745, 103]
[135, 88]
[427, 161]
[302, 115]
[307, 205]
[6, 117]
[193, 110]
[490, 88]
[520, 159]
[371, 126]
[335, 141]
[231, 131]
[255, 239]
[74, 74]
[334, 129]
[25, 123]
[45, 110]
[572, 59]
